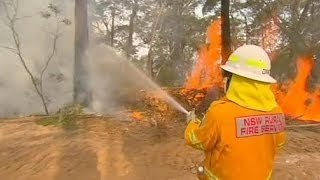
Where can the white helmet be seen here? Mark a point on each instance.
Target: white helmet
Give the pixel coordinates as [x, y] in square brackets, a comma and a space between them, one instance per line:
[250, 61]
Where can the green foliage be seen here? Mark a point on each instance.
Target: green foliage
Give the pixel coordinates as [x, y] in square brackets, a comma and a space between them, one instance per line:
[180, 32]
[177, 35]
[65, 117]
[296, 20]
[54, 10]
[209, 5]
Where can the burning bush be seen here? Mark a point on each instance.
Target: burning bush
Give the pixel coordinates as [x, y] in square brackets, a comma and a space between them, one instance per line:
[294, 96]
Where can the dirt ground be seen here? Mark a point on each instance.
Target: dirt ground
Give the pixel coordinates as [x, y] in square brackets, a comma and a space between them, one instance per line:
[107, 149]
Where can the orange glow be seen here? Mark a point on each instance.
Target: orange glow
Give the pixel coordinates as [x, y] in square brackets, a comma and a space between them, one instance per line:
[297, 102]
[137, 115]
[206, 72]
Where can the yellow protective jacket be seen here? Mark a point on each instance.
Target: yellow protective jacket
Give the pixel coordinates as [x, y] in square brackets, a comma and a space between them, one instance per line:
[239, 142]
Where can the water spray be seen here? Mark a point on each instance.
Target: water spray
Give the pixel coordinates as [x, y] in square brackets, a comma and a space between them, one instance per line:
[174, 103]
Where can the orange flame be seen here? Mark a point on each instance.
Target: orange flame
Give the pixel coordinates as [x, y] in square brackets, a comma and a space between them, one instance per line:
[207, 73]
[293, 97]
[297, 102]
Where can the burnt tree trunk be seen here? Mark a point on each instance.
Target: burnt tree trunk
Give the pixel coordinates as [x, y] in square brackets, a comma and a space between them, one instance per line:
[131, 28]
[82, 93]
[225, 28]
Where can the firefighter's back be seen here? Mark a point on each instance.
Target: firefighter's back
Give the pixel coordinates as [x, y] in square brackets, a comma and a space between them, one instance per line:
[248, 141]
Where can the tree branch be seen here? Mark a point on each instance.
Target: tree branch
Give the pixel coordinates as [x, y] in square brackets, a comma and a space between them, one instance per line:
[99, 29]
[106, 24]
[304, 12]
[247, 30]
[12, 20]
[153, 36]
[13, 50]
[24, 17]
[51, 55]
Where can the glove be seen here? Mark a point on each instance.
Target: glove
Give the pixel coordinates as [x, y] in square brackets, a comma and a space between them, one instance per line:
[191, 116]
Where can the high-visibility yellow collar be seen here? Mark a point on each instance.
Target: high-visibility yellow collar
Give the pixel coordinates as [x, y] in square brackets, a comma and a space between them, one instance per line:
[251, 94]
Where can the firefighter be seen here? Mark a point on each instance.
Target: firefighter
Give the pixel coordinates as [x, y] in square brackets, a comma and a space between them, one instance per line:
[241, 133]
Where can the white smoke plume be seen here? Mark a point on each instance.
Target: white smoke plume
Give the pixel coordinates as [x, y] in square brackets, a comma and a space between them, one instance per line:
[18, 96]
[113, 79]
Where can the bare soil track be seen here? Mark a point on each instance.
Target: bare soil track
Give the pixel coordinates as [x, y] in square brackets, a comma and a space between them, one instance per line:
[107, 149]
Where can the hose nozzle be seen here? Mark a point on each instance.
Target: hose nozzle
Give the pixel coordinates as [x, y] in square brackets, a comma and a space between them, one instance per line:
[191, 115]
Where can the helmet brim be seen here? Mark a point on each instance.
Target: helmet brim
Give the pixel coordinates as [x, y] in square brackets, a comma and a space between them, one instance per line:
[262, 78]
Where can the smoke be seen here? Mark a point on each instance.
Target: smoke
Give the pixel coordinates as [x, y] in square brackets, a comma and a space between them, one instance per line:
[114, 81]
[18, 96]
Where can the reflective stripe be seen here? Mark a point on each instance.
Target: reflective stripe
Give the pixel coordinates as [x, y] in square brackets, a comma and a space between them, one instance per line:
[251, 62]
[281, 144]
[209, 174]
[234, 58]
[256, 63]
[269, 176]
[194, 140]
